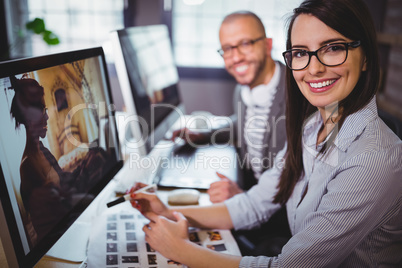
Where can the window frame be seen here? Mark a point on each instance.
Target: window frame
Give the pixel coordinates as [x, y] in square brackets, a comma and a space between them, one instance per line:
[192, 72]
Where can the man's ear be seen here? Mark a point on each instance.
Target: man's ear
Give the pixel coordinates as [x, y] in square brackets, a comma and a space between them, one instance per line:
[268, 43]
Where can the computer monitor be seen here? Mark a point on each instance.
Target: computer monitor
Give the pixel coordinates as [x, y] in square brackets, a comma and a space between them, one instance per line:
[58, 147]
[148, 79]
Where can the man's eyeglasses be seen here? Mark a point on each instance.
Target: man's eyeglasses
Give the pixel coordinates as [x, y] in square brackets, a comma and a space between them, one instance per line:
[246, 46]
[330, 55]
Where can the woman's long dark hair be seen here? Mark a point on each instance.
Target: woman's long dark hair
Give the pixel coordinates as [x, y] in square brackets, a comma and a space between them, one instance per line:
[352, 19]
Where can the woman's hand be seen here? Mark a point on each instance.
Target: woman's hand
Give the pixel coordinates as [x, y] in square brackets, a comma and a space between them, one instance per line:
[166, 236]
[148, 202]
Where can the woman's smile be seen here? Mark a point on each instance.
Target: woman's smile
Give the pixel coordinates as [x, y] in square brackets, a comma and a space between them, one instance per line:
[320, 86]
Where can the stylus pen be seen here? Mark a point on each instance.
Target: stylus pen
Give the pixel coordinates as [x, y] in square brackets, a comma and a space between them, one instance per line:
[128, 196]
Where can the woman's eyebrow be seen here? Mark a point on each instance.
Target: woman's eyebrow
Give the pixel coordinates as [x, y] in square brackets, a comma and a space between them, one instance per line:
[323, 43]
[333, 40]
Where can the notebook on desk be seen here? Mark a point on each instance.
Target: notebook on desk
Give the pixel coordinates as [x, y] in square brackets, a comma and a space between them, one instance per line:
[189, 167]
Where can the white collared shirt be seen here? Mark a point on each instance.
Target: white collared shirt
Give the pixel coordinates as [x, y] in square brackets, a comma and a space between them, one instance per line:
[258, 102]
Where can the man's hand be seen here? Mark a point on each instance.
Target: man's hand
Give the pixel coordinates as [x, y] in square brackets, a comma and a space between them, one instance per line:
[190, 137]
[223, 189]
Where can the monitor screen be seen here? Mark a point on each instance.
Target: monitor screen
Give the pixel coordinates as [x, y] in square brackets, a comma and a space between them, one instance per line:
[58, 146]
[149, 81]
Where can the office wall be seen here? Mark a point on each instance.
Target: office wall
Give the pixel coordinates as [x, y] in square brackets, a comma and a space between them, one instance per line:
[390, 39]
[212, 95]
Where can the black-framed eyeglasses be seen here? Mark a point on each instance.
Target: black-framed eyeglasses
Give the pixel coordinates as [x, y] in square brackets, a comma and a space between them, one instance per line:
[330, 55]
[244, 47]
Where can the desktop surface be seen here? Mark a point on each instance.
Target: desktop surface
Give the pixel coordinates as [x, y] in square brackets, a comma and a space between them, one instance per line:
[180, 163]
[47, 262]
[120, 181]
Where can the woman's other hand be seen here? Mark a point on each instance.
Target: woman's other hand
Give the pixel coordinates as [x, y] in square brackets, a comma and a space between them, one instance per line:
[168, 237]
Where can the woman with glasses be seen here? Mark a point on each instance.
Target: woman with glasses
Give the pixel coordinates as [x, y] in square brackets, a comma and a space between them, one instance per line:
[339, 175]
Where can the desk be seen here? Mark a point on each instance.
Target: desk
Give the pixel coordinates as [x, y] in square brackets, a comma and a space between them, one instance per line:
[47, 262]
[122, 181]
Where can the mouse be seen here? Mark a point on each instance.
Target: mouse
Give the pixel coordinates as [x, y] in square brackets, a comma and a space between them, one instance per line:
[183, 197]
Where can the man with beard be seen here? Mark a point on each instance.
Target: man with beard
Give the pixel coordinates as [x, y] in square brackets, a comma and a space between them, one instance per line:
[259, 103]
[259, 121]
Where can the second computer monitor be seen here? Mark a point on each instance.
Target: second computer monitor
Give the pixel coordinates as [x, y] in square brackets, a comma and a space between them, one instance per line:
[149, 82]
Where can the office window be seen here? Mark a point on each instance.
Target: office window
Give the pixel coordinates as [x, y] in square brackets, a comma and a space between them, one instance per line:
[195, 27]
[78, 23]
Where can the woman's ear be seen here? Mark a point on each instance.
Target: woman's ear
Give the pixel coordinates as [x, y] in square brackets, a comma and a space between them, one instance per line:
[364, 67]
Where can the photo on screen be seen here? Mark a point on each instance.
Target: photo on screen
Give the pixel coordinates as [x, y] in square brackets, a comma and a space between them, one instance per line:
[54, 142]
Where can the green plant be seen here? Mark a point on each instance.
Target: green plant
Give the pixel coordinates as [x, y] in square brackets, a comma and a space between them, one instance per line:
[38, 27]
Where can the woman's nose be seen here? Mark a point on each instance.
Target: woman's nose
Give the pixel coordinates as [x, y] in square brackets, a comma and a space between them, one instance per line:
[315, 66]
